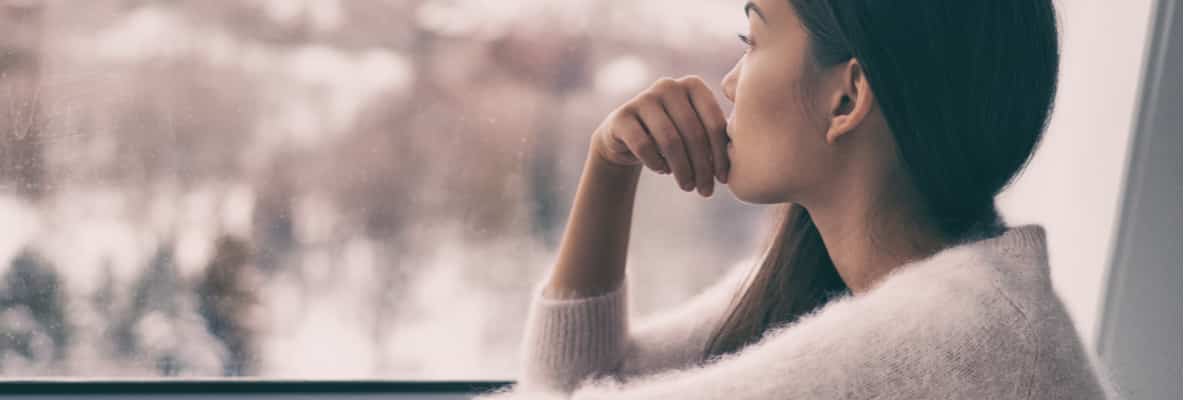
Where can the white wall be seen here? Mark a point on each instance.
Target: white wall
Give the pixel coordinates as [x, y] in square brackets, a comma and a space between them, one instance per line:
[1072, 185]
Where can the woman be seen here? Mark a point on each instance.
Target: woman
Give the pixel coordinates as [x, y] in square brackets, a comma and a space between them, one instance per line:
[885, 129]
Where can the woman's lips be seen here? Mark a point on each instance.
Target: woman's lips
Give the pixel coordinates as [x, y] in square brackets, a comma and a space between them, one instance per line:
[728, 128]
[730, 143]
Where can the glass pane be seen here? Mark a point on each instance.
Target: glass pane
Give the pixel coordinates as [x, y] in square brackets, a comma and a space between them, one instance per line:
[320, 189]
[367, 188]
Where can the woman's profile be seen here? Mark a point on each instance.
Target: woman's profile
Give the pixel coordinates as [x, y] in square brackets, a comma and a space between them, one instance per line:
[881, 131]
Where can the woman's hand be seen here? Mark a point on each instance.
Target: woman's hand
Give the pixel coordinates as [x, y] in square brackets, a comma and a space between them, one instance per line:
[675, 125]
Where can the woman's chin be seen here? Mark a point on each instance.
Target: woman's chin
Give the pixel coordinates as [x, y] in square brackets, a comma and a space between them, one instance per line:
[737, 190]
[748, 195]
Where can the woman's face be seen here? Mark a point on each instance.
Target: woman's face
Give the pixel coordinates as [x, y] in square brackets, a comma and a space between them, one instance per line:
[778, 134]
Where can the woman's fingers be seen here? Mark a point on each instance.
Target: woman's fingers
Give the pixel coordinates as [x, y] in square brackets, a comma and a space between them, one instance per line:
[653, 117]
[673, 127]
[633, 134]
[714, 123]
[677, 103]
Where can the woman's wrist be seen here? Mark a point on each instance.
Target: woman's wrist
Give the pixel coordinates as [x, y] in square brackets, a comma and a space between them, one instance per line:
[599, 163]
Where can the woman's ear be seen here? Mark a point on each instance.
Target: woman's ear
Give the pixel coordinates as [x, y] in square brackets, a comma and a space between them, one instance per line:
[851, 103]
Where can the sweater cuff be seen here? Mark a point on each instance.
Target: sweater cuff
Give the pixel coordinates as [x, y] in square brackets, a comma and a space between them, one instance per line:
[568, 340]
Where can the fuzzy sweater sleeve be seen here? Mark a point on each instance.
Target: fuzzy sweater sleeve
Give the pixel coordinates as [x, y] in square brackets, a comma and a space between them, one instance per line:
[568, 340]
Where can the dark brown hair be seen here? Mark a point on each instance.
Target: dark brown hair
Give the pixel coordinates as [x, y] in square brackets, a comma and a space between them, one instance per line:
[966, 88]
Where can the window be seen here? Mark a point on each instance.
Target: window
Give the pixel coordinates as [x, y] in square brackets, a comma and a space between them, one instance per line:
[334, 189]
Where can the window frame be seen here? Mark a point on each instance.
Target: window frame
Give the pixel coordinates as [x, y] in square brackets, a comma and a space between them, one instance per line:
[240, 386]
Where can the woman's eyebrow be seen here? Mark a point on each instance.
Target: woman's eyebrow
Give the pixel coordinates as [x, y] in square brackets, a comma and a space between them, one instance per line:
[751, 7]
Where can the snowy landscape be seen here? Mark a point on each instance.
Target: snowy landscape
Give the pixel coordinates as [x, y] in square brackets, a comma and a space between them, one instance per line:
[320, 189]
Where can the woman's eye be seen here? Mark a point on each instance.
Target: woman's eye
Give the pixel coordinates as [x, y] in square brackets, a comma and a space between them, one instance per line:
[746, 40]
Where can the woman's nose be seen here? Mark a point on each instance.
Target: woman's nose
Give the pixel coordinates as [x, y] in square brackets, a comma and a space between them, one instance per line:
[729, 83]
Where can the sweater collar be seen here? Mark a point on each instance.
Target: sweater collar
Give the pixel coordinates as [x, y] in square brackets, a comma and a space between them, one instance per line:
[1029, 238]
[1021, 249]
[1023, 245]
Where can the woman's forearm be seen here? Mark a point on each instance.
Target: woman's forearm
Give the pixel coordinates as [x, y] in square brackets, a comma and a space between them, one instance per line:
[596, 240]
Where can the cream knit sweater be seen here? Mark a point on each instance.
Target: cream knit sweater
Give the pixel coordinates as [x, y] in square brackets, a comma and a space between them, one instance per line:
[978, 320]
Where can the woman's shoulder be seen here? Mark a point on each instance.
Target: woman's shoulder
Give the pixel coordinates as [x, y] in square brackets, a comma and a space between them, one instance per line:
[953, 331]
[955, 301]
[984, 297]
